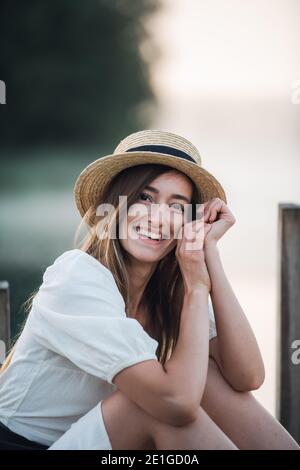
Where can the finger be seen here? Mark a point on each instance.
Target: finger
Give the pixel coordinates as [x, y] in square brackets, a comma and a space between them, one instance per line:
[194, 239]
[193, 230]
[214, 212]
[214, 209]
[201, 209]
[207, 211]
[189, 231]
[207, 228]
[208, 205]
[197, 226]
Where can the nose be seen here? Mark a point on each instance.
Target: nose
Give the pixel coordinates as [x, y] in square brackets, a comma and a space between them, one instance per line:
[159, 217]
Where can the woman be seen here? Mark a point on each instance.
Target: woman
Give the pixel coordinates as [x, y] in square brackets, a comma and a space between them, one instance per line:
[120, 334]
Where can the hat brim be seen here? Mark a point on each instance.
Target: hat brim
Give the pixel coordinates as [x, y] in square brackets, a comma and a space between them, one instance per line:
[93, 180]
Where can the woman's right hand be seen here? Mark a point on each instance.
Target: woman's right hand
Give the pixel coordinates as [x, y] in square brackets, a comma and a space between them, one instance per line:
[190, 255]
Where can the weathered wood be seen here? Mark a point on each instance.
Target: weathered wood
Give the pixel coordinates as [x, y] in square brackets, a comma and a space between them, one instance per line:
[288, 333]
[4, 319]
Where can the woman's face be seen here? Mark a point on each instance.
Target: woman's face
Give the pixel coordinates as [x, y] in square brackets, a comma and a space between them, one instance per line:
[159, 213]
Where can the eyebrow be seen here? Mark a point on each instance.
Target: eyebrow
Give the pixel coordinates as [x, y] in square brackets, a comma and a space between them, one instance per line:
[176, 196]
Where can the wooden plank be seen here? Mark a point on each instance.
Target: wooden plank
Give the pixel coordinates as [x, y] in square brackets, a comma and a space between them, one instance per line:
[4, 319]
[288, 332]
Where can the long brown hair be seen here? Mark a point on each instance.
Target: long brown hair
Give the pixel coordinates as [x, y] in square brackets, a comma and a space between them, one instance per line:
[164, 292]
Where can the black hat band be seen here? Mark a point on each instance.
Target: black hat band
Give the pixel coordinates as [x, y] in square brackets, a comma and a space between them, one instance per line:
[163, 149]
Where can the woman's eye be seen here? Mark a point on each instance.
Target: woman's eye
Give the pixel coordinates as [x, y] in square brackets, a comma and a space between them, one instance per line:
[179, 207]
[144, 195]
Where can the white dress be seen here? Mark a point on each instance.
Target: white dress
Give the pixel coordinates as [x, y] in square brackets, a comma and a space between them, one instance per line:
[77, 337]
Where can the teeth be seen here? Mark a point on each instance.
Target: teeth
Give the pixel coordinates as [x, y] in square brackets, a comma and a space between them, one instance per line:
[148, 234]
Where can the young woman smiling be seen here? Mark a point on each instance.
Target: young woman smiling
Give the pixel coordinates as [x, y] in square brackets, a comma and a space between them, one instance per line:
[138, 329]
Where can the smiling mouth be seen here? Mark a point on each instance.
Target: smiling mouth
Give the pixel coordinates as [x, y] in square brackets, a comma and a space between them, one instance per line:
[148, 236]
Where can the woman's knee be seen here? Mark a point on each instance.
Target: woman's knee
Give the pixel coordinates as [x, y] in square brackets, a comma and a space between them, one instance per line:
[201, 433]
[128, 426]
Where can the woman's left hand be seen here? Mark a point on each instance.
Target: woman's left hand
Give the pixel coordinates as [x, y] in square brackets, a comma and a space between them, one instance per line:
[217, 213]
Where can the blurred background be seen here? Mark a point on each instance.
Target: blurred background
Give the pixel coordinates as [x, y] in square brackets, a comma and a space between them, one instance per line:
[80, 76]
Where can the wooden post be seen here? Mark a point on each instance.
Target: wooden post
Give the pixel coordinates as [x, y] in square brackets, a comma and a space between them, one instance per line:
[288, 326]
[4, 319]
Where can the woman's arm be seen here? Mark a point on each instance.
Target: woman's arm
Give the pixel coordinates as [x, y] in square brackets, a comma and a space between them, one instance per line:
[236, 351]
[172, 392]
[192, 348]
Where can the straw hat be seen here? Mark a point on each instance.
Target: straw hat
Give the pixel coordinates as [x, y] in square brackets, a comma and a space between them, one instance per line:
[147, 146]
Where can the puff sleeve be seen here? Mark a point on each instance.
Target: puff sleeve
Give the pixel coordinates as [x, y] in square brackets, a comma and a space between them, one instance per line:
[79, 313]
[212, 322]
